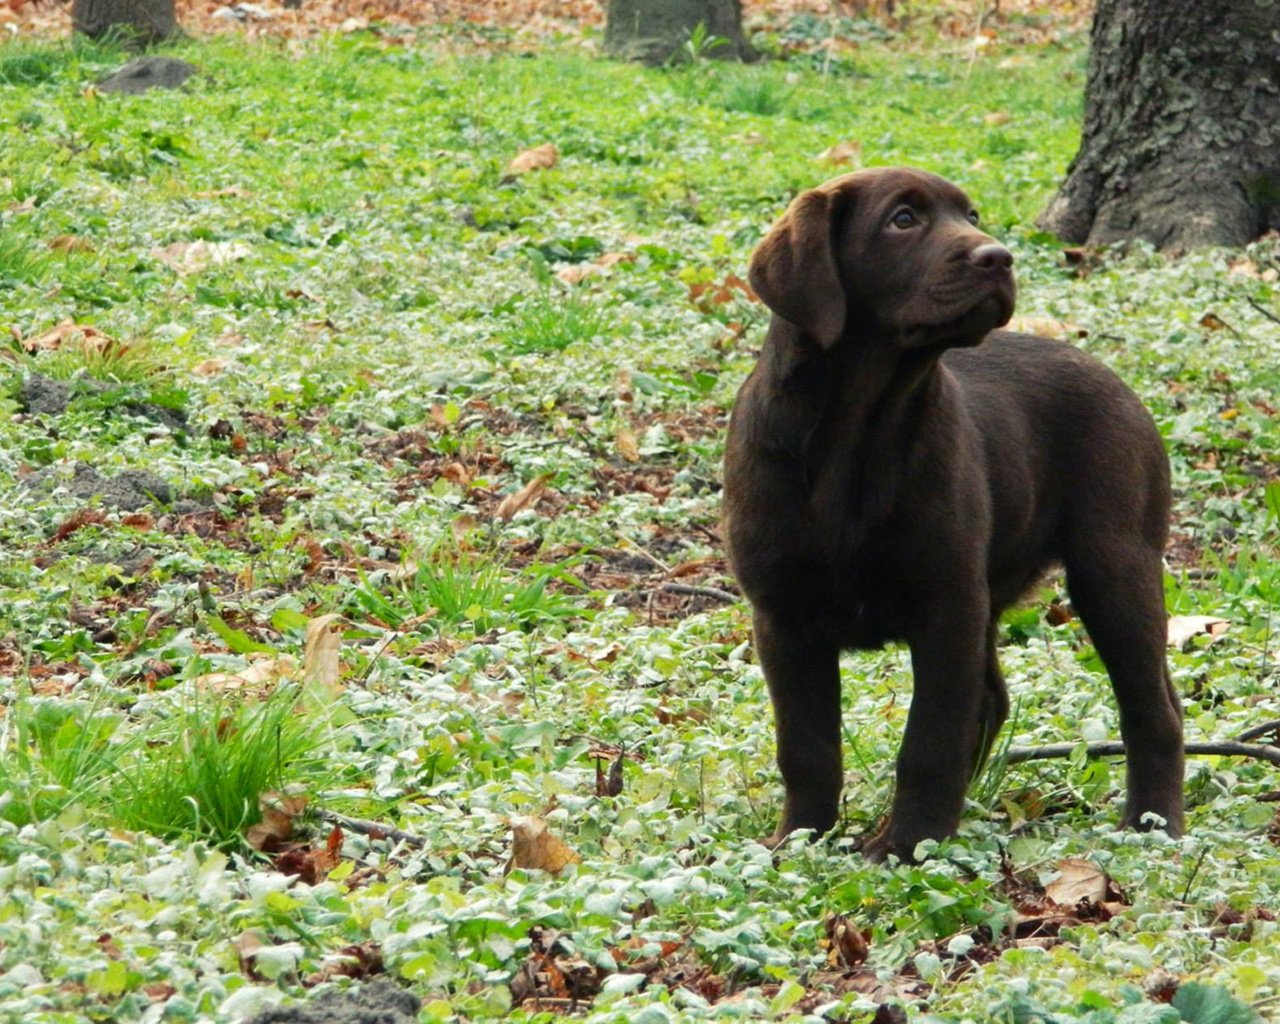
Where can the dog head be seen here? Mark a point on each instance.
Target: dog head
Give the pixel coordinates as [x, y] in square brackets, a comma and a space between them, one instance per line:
[888, 251]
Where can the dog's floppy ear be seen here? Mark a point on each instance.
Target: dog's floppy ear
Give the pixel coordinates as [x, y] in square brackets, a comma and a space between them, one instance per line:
[794, 269]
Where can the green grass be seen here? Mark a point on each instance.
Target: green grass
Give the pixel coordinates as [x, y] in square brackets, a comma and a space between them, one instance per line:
[388, 354]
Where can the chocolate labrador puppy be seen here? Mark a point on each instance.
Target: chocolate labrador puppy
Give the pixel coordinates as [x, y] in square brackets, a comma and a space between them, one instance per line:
[899, 470]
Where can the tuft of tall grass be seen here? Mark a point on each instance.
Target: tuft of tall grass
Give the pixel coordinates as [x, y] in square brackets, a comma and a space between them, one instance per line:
[204, 771]
[452, 586]
[54, 754]
[551, 324]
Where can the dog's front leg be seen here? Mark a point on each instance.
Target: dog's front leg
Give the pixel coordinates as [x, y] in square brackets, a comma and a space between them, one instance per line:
[942, 740]
[803, 673]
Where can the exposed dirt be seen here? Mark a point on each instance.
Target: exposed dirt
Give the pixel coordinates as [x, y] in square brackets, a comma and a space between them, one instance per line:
[378, 1002]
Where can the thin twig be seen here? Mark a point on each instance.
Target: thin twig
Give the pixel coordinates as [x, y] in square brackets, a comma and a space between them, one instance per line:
[696, 591]
[1259, 730]
[1113, 748]
[366, 827]
[1263, 310]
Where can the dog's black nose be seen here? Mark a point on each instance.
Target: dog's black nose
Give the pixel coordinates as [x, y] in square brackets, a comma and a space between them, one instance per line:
[991, 256]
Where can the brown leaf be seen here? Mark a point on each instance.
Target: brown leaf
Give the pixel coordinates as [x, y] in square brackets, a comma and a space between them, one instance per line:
[78, 520]
[539, 158]
[847, 153]
[576, 273]
[90, 340]
[627, 445]
[996, 117]
[209, 367]
[70, 243]
[848, 944]
[1078, 880]
[533, 848]
[234, 191]
[276, 827]
[526, 497]
[321, 660]
[1212, 322]
[360, 960]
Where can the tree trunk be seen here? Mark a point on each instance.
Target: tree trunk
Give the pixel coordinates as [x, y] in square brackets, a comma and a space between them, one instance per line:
[1181, 140]
[656, 31]
[143, 21]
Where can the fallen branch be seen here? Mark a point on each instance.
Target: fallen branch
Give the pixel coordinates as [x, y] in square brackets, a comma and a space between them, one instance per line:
[696, 591]
[1114, 748]
[365, 827]
[1260, 730]
[1263, 310]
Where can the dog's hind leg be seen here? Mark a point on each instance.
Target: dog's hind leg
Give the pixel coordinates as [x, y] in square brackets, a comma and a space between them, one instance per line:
[993, 708]
[1117, 587]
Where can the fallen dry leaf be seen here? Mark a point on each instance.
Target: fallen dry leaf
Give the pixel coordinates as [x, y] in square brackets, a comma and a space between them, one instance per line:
[90, 340]
[70, 243]
[1077, 880]
[261, 677]
[533, 848]
[209, 367]
[321, 659]
[1045, 327]
[842, 154]
[627, 445]
[996, 117]
[576, 273]
[276, 827]
[1183, 628]
[539, 158]
[848, 946]
[526, 497]
[192, 257]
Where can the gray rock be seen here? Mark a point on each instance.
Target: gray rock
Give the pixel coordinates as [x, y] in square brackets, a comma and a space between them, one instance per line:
[378, 1002]
[145, 73]
[41, 394]
[129, 491]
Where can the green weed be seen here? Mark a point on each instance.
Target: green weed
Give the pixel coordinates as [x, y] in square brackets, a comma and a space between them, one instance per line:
[203, 773]
[551, 322]
[452, 587]
[54, 754]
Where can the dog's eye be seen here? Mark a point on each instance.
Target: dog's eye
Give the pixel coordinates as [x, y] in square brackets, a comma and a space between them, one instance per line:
[903, 218]
[974, 218]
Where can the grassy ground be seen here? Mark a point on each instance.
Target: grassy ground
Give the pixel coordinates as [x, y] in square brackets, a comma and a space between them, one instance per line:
[260, 533]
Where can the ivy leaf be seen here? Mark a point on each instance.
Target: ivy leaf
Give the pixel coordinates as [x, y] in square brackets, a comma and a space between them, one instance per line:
[1212, 1004]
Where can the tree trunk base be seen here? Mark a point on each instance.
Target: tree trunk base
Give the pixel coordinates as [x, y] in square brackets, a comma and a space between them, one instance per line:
[1181, 140]
[658, 31]
[140, 23]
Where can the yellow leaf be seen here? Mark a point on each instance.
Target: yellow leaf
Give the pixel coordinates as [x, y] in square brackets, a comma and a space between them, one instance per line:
[539, 158]
[533, 848]
[628, 448]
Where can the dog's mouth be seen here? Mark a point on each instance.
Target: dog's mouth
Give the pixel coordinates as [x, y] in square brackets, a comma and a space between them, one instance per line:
[965, 312]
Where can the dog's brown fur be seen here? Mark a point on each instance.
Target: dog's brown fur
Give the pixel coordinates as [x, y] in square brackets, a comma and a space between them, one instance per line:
[898, 470]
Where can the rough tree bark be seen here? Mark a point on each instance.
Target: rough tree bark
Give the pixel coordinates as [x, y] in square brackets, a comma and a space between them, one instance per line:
[144, 21]
[1181, 139]
[655, 31]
